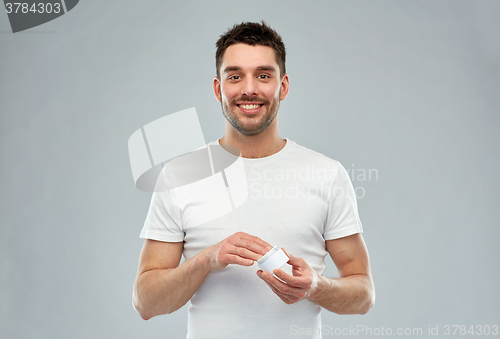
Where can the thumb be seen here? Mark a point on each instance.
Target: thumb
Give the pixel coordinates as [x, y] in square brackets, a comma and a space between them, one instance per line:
[293, 260]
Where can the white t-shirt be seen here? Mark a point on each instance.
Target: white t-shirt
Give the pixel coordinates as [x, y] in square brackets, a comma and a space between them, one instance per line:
[297, 199]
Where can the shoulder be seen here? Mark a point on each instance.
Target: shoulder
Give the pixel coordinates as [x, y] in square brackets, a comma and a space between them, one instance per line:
[309, 156]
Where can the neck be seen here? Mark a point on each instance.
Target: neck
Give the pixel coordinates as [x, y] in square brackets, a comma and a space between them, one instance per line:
[261, 145]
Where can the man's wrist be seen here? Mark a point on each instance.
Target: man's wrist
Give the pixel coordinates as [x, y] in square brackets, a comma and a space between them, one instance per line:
[201, 263]
[318, 287]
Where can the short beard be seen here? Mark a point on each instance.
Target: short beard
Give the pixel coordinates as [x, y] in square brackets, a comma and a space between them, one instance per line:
[268, 119]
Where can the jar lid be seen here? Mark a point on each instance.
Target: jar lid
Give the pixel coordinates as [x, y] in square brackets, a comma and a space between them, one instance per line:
[273, 259]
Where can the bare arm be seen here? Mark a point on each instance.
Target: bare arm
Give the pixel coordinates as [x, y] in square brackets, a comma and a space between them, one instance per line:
[352, 293]
[163, 286]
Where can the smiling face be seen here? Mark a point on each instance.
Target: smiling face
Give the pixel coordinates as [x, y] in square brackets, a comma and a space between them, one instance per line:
[250, 88]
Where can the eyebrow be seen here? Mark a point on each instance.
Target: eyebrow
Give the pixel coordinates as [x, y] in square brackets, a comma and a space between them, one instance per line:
[260, 68]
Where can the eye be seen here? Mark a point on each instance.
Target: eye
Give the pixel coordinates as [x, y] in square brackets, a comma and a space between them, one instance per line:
[264, 76]
[234, 77]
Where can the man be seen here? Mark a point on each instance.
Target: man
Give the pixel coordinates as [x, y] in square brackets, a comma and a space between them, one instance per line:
[298, 199]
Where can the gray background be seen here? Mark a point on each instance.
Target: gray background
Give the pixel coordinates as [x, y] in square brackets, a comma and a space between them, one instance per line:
[409, 88]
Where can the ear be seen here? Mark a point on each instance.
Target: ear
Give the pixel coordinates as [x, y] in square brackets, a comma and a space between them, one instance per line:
[285, 85]
[216, 86]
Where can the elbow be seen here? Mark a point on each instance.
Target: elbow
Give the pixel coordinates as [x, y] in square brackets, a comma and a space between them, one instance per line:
[366, 308]
[144, 316]
[369, 300]
[142, 313]
[140, 309]
[147, 313]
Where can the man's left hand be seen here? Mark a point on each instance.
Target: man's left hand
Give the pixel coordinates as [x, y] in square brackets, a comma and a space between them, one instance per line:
[292, 288]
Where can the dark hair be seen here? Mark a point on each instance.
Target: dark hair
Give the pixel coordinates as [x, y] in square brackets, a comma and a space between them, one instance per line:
[251, 33]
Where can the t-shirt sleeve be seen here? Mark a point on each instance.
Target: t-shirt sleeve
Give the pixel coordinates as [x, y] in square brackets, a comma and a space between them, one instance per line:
[163, 222]
[342, 216]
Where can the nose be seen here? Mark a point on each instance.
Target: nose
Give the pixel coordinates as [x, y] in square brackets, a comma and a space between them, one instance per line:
[250, 86]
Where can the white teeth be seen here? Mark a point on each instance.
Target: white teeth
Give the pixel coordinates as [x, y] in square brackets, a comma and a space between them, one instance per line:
[249, 106]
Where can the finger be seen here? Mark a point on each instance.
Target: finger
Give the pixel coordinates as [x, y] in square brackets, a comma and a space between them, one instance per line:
[292, 259]
[279, 285]
[251, 246]
[295, 261]
[244, 253]
[287, 298]
[285, 252]
[294, 281]
[254, 239]
[283, 297]
[298, 264]
[237, 260]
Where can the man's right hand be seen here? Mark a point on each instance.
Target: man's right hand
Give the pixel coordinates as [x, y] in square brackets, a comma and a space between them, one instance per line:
[240, 249]
[163, 286]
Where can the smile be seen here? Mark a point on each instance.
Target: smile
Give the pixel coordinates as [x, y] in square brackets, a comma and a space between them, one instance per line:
[255, 106]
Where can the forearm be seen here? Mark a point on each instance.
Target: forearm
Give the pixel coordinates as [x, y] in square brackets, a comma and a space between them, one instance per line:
[354, 294]
[162, 291]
